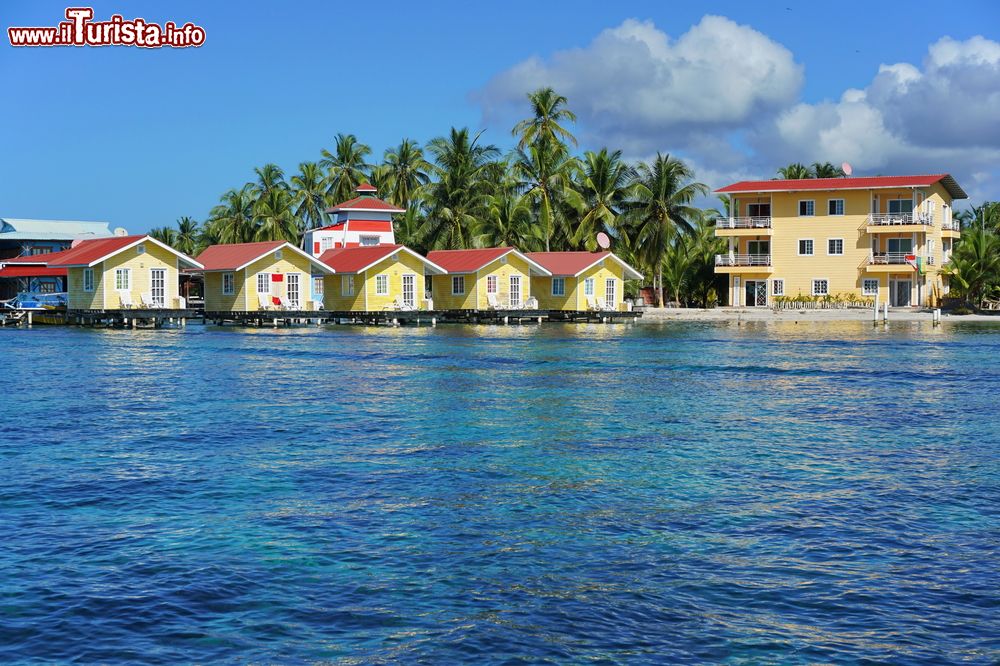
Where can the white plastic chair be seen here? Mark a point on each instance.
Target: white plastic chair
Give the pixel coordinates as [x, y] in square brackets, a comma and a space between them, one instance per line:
[265, 301]
[126, 299]
[146, 301]
[492, 301]
[531, 303]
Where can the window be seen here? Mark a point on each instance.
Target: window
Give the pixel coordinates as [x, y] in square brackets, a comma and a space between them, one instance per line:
[588, 287]
[899, 245]
[807, 207]
[930, 246]
[458, 285]
[835, 207]
[123, 279]
[898, 206]
[381, 285]
[318, 287]
[558, 286]
[491, 284]
[869, 287]
[428, 285]
[347, 285]
[369, 240]
[609, 293]
[228, 284]
[777, 287]
[759, 210]
[515, 291]
[140, 249]
[88, 279]
[805, 247]
[277, 254]
[821, 287]
[759, 248]
[325, 243]
[263, 283]
[835, 246]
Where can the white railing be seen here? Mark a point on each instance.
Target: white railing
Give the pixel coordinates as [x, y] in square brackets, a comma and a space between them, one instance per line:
[899, 219]
[742, 260]
[743, 223]
[954, 225]
[893, 258]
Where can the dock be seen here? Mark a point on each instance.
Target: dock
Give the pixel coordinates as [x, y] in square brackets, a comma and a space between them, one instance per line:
[132, 318]
[275, 318]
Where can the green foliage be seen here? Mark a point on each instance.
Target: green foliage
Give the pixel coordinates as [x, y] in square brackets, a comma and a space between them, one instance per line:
[974, 267]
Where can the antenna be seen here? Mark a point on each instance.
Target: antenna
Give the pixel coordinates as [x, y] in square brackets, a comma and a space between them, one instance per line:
[847, 169]
[603, 241]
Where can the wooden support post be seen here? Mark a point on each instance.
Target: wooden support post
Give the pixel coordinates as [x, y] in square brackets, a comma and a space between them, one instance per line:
[29, 318]
[433, 321]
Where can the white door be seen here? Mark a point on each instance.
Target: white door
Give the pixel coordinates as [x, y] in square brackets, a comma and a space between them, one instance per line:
[756, 296]
[609, 294]
[293, 290]
[515, 292]
[158, 285]
[409, 290]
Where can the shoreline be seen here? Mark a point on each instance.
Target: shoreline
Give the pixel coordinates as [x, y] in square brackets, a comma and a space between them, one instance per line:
[658, 315]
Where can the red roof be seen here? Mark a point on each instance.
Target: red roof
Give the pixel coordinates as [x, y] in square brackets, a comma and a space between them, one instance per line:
[366, 187]
[236, 255]
[361, 225]
[567, 263]
[31, 271]
[875, 182]
[83, 254]
[36, 259]
[366, 203]
[355, 259]
[466, 261]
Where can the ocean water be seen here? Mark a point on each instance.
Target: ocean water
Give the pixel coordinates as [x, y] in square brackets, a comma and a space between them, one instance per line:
[685, 493]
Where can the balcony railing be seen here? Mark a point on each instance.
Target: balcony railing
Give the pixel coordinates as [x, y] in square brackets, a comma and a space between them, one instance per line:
[899, 219]
[895, 258]
[742, 260]
[743, 223]
[954, 225]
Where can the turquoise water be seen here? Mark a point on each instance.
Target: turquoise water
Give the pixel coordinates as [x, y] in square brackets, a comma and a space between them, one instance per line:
[685, 493]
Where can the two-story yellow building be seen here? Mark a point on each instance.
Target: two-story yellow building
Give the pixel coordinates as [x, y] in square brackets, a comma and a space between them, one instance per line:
[884, 237]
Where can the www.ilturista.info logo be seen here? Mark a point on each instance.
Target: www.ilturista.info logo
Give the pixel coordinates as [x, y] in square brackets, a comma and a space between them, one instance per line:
[80, 30]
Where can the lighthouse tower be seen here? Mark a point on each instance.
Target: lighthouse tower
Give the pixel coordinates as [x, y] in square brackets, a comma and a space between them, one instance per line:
[363, 220]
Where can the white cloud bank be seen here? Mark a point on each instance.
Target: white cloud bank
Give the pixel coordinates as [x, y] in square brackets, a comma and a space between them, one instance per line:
[726, 96]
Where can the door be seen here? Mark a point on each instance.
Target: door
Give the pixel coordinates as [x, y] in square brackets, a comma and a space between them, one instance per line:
[900, 293]
[515, 292]
[759, 251]
[158, 285]
[409, 290]
[756, 293]
[610, 301]
[294, 291]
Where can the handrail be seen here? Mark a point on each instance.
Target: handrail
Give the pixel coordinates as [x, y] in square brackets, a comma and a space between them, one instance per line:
[742, 260]
[899, 219]
[743, 223]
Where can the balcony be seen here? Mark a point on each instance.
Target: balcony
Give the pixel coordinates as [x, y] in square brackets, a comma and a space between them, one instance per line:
[895, 262]
[743, 226]
[743, 263]
[898, 222]
[951, 229]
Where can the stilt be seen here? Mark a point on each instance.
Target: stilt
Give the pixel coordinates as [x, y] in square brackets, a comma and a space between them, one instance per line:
[29, 318]
[433, 321]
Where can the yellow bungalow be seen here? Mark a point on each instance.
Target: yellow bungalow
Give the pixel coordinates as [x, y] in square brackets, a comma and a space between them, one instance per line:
[377, 277]
[582, 281]
[269, 275]
[497, 278]
[122, 273]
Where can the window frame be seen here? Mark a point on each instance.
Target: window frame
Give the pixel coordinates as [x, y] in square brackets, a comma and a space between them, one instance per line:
[347, 285]
[813, 286]
[562, 286]
[834, 254]
[492, 284]
[889, 202]
[382, 284]
[88, 276]
[457, 285]
[812, 247]
[829, 204]
[588, 286]
[127, 272]
[369, 237]
[267, 282]
[317, 281]
[230, 278]
[864, 287]
[774, 287]
[812, 203]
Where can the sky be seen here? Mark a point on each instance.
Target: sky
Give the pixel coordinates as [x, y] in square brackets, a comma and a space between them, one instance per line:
[141, 137]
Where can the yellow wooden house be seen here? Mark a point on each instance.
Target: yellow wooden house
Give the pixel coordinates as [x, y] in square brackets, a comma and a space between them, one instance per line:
[582, 281]
[377, 277]
[122, 273]
[498, 278]
[268, 275]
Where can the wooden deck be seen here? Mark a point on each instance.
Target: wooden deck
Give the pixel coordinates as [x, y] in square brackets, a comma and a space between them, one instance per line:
[133, 317]
[276, 318]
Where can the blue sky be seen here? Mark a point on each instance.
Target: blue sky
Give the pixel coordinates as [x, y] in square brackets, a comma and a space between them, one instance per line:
[141, 137]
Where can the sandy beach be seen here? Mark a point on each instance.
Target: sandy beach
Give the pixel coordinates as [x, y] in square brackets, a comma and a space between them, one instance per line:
[765, 314]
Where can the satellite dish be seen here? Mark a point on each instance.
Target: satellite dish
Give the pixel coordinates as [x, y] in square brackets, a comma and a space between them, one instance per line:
[75, 243]
[120, 231]
[603, 240]
[847, 169]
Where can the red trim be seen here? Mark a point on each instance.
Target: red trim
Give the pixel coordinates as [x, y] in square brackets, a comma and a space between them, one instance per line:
[277, 277]
[315, 248]
[31, 271]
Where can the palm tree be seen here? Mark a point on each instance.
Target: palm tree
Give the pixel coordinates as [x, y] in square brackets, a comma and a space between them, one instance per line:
[795, 171]
[165, 235]
[545, 172]
[346, 167]
[378, 177]
[826, 170]
[309, 196]
[408, 228]
[604, 183]
[232, 221]
[273, 217]
[458, 198]
[703, 245]
[269, 177]
[408, 172]
[546, 126]
[974, 268]
[507, 223]
[676, 267]
[187, 240]
[660, 206]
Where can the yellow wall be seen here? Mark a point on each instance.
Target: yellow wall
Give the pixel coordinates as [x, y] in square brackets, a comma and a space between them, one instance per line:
[106, 297]
[502, 268]
[246, 283]
[575, 298]
[445, 300]
[366, 297]
[541, 288]
[846, 272]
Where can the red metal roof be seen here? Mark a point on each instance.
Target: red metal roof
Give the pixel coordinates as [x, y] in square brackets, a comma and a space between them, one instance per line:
[36, 259]
[88, 251]
[567, 263]
[366, 203]
[361, 225]
[366, 187]
[466, 261]
[230, 257]
[874, 182]
[32, 271]
[355, 259]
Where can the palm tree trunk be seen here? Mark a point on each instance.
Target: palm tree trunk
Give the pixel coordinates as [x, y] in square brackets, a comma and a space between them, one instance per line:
[659, 279]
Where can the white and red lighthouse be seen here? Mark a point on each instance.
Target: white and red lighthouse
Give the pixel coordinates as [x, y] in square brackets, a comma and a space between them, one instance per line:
[363, 220]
